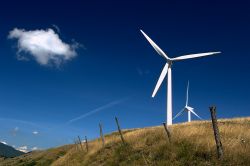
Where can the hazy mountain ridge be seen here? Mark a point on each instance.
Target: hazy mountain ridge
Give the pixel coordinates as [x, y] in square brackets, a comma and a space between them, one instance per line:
[7, 151]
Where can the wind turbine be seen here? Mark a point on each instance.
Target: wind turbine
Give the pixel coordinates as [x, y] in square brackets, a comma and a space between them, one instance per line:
[167, 69]
[187, 108]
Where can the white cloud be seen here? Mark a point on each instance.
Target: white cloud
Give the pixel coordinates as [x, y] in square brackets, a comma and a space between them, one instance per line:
[44, 45]
[35, 132]
[3, 142]
[34, 148]
[23, 149]
[15, 131]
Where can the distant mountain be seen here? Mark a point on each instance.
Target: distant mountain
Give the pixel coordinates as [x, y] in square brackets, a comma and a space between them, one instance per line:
[7, 151]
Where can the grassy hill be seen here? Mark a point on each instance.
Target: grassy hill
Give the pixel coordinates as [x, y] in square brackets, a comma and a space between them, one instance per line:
[192, 144]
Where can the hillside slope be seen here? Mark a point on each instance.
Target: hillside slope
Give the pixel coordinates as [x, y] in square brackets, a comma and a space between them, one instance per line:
[192, 144]
[7, 151]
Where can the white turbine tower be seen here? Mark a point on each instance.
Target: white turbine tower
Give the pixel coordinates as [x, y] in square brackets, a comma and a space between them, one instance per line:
[167, 69]
[187, 109]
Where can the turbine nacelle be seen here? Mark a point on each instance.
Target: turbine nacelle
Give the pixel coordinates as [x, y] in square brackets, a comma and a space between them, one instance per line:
[187, 108]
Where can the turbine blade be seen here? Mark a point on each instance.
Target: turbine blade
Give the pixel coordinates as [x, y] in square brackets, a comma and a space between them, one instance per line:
[187, 94]
[161, 78]
[194, 56]
[179, 113]
[195, 113]
[157, 48]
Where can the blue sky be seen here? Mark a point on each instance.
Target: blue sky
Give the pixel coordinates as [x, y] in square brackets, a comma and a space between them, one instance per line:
[114, 69]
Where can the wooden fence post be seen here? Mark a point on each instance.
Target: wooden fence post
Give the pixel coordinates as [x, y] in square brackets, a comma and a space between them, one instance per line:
[86, 143]
[167, 131]
[76, 145]
[119, 129]
[80, 142]
[216, 132]
[101, 134]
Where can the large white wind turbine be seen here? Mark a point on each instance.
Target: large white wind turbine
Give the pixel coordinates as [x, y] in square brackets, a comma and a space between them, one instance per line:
[167, 69]
[187, 109]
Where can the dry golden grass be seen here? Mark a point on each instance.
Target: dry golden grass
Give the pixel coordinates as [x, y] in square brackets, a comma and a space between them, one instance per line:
[192, 144]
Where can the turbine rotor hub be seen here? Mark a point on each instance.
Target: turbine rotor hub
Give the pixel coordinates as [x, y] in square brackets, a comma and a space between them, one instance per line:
[170, 62]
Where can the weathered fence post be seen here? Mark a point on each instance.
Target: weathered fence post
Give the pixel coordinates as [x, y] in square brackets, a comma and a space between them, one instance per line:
[167, 131]
[216, 132]
[86, 143]
[101, 134]
[76, 145]
[80, 142]
[119, 129]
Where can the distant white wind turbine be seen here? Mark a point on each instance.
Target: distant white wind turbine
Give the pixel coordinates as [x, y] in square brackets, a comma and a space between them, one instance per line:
[167, 69]
[187, 109]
